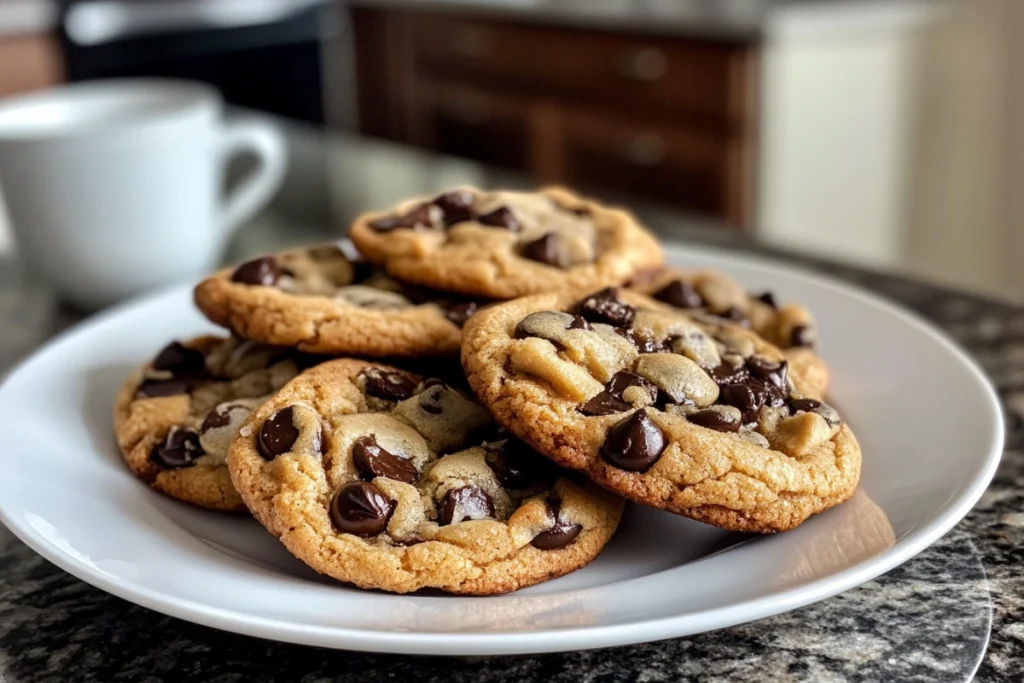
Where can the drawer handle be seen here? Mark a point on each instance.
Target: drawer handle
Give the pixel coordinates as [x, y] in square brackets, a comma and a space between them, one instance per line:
[645, 149]
[646, 65]
[472, 42]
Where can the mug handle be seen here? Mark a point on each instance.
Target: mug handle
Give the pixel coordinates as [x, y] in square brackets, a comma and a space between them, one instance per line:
[259, 185]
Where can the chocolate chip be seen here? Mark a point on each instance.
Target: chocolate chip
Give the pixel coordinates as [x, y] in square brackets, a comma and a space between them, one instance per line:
[579, 323]
[390, 385]
[386, 224]
[808, 405]
[644, 344]
[605, 307]
[544, 250]
[430, 397]
[517, 466]
[718, 420]
[561, 534]
[610, 400]
[634, 444]
[361, 270]
[501, 217]
[768, 298]
[680, 294]
[153, 388]
[464, 503]
[802, 335]
[771, 372]
[278, 434]
[418, 218]
[820, 408]
[372, 460]
[726, 374]
[460, 313]
[457, 206]
[262, 271]
[179, 449]
[219, 417]
[361, 509]
[736, 315]
[179, 360]
[743, 396]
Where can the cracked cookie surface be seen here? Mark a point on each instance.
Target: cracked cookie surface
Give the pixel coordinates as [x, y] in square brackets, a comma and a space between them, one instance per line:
[788, 326]
[693, 415]
[319, 300]
[174, 418]
[502, 245]
[377, 477]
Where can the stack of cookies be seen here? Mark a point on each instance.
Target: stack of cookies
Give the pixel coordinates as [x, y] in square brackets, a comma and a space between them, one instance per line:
[337, 412]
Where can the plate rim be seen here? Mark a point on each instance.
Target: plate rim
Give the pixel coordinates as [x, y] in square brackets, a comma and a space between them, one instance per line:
[570, 638]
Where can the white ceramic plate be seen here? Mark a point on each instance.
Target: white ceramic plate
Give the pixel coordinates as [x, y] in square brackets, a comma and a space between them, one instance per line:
[929, 424]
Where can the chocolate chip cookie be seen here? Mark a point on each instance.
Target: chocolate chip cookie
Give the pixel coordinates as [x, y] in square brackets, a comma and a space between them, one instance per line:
[175, 418]
[694, 415]
[376, 477]
[319, 300]
[502, 245]
[788, 326]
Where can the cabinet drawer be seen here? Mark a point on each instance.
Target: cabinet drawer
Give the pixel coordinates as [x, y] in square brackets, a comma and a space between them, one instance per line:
[696, 77]
[683, 168]
[477, 124]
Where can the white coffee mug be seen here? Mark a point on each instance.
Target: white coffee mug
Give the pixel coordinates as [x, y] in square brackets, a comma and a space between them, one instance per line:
[114, 187]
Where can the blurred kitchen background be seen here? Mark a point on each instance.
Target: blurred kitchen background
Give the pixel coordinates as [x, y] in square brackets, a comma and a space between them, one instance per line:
[880, 132]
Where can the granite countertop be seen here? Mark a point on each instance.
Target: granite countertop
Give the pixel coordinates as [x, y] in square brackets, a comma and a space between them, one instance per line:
[955, 609]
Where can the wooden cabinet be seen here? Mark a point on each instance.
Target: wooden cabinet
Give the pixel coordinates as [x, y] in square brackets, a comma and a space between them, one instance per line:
[669, 119]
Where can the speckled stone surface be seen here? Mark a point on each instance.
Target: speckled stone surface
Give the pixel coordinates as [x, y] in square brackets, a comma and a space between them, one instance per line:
[955, 609]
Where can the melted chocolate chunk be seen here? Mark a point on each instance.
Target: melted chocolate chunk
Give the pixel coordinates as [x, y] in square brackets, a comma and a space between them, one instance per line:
[501, 217]
[464, 503]
[634, 444]
[460, 313]
[361, 509]
[765, 384]
[418, 218]
[263, 271]
[457, 206]
[806, 404]
[179, 449]
[153, 388]
[278, 434]
[390, 385]
[605, 307]
[561, 534]
[714, 419]
[736, 315]
[725, 374]
[219, 417]
[517, 466]
[387, 224]
[610, 400]
[579, 323]
[372, 460]
[180, 360]
[643, 343]
[768, 298]
[680, 294]
[430, 397]
[544, 250]
[802, 335]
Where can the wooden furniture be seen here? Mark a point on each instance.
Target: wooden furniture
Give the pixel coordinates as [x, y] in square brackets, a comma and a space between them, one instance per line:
[672, 119]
